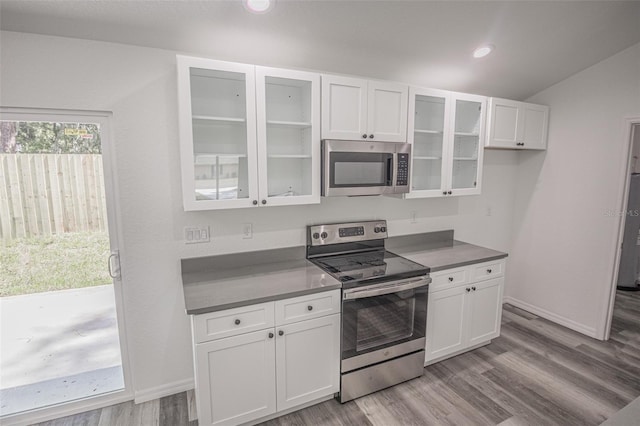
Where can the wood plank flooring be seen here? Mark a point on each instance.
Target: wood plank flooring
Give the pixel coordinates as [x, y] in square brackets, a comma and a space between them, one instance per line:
[535, 373]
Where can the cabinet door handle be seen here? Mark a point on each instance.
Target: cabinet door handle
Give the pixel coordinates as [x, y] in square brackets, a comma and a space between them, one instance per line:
[264, 201]
[371, 136]
[488, 271]
[255, 202]
[450, 279]
[280, 333]
[310, 308]
[270, 335]
[237, 322]
[364, 136]
[468, 289]
[449, 192]
[473, 288]
[444, 192]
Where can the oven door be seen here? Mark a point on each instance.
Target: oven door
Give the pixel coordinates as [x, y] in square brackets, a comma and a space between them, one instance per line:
[382, 321]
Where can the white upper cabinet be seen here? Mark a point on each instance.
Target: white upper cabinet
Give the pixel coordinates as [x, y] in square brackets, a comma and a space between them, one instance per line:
[446, 130]
[249, 136]
[288, 106]
[517, 125]
[357, 109]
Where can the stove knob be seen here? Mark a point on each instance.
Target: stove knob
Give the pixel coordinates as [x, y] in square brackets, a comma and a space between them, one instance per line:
[383, 229]
[376, 229]
[324, 235]
[316, 235]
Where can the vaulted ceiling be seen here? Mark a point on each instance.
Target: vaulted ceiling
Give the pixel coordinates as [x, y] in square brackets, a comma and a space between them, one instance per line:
[538, 43]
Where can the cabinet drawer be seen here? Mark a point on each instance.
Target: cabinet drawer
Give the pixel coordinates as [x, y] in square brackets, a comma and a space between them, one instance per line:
[488, 270]
[307, 307]
[449, 278]
[231, 322]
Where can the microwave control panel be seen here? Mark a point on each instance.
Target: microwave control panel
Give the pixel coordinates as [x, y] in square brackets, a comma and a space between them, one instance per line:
[403, 170]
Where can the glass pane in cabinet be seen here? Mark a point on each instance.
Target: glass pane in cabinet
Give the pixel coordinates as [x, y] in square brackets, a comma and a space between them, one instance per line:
[427, 174]
[219, 110]
[465, 161]
[429, 116]
[468, 114]
[288, 113]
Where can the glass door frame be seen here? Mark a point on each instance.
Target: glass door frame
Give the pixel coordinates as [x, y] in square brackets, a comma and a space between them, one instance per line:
[104, 119]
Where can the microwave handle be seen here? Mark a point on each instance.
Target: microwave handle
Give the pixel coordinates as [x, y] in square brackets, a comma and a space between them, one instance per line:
[388, 289]
[391, 164]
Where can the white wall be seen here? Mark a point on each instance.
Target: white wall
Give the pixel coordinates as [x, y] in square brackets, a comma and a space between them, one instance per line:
[564, 240]
[139, 86]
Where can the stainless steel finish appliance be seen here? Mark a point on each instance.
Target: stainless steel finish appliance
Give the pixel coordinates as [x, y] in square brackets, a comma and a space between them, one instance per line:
[384, 305]
[356, 168]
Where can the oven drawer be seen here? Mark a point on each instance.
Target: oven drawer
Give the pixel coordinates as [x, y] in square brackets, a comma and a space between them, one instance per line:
[307, 307]
[488, 270]
[231, 322]
[449, 278]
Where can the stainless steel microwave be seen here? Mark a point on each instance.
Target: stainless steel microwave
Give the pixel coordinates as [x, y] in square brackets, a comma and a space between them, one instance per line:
[355, 168]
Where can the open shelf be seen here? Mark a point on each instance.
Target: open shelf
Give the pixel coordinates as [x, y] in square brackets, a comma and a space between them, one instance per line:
[466, 134]
[206, 118]
[429, 132]
[293, 124]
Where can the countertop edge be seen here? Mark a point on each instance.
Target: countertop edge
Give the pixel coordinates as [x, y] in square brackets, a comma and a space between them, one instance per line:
[469, 262]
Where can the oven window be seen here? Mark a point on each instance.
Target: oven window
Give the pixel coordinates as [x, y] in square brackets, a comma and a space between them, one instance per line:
[386, 322]
[355, 169]
[377, 322]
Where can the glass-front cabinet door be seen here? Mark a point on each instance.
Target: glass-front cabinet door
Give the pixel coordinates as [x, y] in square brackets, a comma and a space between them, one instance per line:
[429, 113]
[288, 111]
[217, 133]
[468, 144]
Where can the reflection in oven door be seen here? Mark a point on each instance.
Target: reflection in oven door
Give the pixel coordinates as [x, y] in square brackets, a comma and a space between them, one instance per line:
[378, 322]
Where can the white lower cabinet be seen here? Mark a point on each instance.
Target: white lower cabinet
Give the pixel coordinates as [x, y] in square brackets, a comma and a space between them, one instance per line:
[467, 312]
[260, 373]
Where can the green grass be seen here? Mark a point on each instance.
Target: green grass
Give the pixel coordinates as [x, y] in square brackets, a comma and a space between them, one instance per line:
[37, 264]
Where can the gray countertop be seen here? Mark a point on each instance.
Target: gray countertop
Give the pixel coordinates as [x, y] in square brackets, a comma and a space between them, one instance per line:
[228, 281]
[438, 250]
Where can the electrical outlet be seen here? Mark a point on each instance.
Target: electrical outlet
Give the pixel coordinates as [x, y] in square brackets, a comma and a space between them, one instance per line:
[196, 234]
[247, 230]
[489, 211]
[413, 217]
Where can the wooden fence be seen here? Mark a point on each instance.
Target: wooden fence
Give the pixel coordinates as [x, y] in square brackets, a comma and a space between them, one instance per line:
[45, 194]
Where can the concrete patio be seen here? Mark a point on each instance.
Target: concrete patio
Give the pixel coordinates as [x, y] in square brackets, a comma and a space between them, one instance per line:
[57, 347]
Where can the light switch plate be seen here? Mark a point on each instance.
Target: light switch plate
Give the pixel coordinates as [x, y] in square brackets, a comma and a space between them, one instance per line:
[197, 234]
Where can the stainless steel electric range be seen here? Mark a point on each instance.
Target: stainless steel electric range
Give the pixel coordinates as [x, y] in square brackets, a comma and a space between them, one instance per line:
[384, 305]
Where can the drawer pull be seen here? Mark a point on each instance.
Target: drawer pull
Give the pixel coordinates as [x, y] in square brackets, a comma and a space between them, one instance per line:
[489, 271]
[450, 279]
[473, 288]
[270, 335]
[468, 289]
[310, 308]
[237, 322]
[280, 333]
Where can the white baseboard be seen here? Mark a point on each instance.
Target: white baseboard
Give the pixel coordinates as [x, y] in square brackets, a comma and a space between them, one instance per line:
[167, 389]
[558, 319]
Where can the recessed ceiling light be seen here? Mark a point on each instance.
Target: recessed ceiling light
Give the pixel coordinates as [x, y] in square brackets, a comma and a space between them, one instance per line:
[258, 6]
[483, 51]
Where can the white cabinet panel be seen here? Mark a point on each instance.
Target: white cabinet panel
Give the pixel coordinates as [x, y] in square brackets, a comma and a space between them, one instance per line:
[517, 125]
[296, 309]
[235, 379]
[231, 322]
[387, 107]
[486, 311]
[344, 108]
[308, 360]
[445, 322]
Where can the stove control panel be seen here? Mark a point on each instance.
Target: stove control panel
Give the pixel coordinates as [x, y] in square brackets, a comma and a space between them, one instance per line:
[337, 233]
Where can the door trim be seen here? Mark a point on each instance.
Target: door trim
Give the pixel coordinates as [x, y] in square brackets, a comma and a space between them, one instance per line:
[632, 124]
[104, 119]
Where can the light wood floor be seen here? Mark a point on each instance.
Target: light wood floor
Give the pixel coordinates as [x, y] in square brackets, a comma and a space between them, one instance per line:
[535, 373]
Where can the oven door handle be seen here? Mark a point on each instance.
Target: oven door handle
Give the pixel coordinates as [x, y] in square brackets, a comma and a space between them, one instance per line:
[386, 289]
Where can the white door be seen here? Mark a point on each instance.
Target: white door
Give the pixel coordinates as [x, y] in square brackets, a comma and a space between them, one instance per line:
[387, 111]
[240, 373]
[467, 147]
[446, 316]
[344, 108]
[429, 135]
[58, 189]
[505, 123]
[485, 310]
[217, 117]
[308, 360]
[288, 122]
[534, 127]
